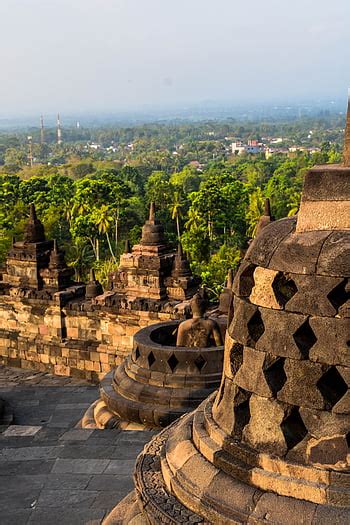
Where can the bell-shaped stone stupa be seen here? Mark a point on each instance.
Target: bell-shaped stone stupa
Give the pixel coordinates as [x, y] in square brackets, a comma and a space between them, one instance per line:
[272, 446]
[172, 368]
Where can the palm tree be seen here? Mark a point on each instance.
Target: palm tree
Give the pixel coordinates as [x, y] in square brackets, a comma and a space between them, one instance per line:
[68, 211]
[255, 211]
[117, 216]
[79, 208]
[294, 203]
[81, 255]
[104, 221]
[103, 270]
[194, 219]
[175, 209]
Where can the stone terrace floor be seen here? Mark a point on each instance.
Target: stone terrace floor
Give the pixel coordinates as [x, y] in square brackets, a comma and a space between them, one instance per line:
[50, 471]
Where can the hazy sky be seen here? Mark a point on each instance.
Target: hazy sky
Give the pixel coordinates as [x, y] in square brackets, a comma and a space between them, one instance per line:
[92, 55]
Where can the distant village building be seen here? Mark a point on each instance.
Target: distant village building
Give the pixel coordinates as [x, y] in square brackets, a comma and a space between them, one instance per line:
[275, 151]
[238, 148]
[290, 152]
[196, 164]
[295, 149]
[253, 147]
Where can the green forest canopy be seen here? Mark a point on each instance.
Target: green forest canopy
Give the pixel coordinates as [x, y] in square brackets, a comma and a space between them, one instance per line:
[92, 201]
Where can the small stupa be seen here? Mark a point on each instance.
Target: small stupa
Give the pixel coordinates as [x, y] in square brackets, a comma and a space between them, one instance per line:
[94, 287]
[26, 258]
[152, 271]
[181, 284]
[35, 264]
[265, 219]
[57, 276]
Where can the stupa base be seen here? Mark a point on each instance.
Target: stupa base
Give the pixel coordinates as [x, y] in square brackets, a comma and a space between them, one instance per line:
[192, 473]
[126, 511]
[157, 383]
[98, 416]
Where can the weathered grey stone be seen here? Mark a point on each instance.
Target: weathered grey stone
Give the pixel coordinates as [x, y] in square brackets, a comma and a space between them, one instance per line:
[335, 255]
[323, 215]
[314, 295]
[332, 340]
[246, 327]
[327, 184]
[223, 409]
[232, 493]
[322, 423]
[61, 498]
[286, 334]
[244, 280]
[325, 515]
[80, 466]
[263, 247]
[298, 253]
[21, 430]
[342, 390]
[250, 375]
[300, 387]
[280, 510]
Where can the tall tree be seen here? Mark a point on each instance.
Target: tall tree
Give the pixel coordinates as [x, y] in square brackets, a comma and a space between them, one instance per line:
[175, 209]
[104, 220]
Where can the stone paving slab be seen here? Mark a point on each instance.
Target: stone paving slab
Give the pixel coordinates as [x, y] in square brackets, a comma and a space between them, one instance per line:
[19, 517]
[77, 434]
[50, 470]
[73, 516]
[80, 466]
[119, 466]
[21, 430]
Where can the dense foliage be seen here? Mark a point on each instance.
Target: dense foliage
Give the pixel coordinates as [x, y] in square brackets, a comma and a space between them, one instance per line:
[91, 203]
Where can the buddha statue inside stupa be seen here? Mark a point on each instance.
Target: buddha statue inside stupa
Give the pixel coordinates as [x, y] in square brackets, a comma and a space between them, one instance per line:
[198, 331]
[172, 368]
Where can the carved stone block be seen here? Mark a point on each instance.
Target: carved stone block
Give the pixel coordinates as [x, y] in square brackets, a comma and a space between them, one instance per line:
[332, 340]
[263, 293]
[298, 253]
[264, 428]
[335, 255]
[300, 388]
[250, 376]
[286, 334]
[316, 295]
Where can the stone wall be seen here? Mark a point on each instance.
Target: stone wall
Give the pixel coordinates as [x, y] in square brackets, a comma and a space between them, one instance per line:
[81, 339]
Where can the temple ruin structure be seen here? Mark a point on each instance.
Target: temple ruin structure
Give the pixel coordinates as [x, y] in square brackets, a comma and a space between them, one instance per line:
[50, 323]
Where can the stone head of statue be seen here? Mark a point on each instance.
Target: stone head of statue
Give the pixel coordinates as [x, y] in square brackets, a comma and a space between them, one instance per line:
[198, 305]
